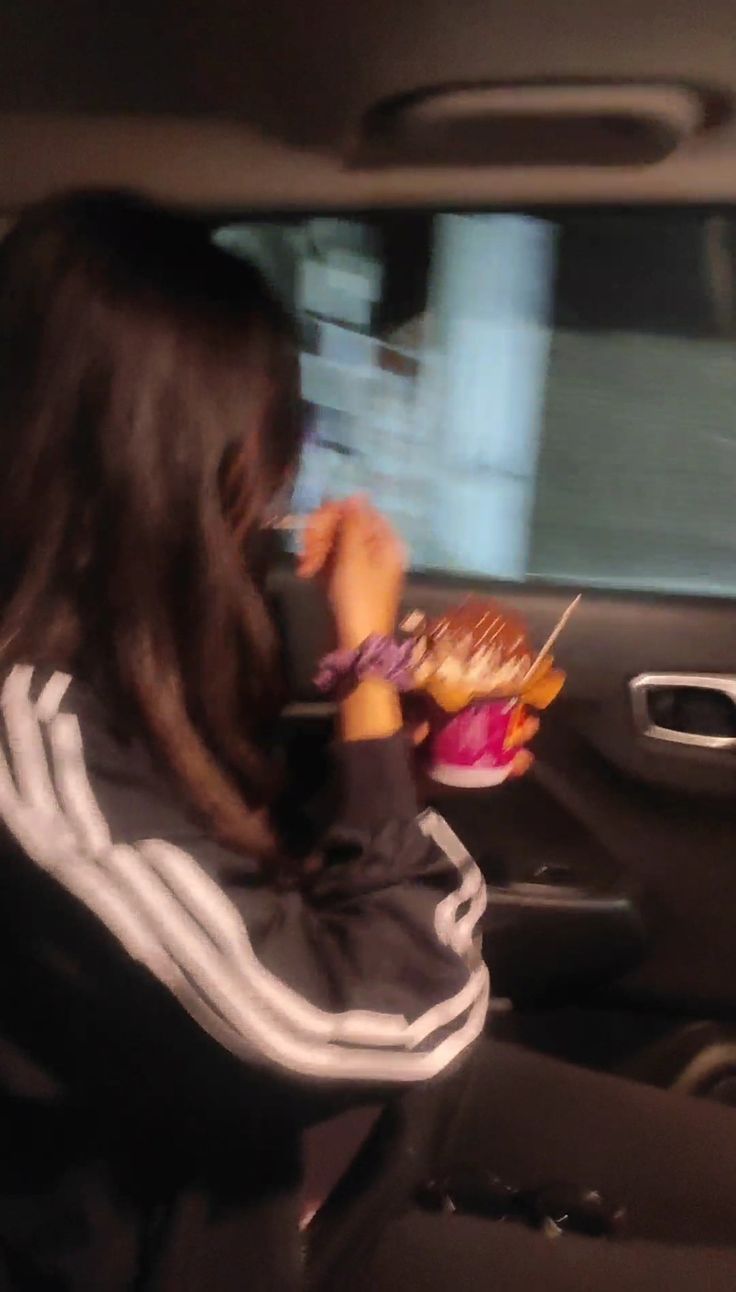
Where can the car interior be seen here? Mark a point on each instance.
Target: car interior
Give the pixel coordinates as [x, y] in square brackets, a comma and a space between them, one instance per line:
[508, 234]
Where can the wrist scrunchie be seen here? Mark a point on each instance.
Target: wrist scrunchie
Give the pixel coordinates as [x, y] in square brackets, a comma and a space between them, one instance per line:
[378, 657]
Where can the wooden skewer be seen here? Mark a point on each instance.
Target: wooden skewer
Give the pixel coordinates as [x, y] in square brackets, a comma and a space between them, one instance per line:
[293, 522]
[553, 635]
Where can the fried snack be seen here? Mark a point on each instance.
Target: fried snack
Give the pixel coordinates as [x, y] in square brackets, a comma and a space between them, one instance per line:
[479, 651]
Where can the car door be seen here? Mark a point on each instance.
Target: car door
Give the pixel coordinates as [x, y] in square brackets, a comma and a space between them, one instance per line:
[544, 401]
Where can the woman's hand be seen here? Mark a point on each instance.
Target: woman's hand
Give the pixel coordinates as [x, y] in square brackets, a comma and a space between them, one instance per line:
[522, 736]
[362, 560]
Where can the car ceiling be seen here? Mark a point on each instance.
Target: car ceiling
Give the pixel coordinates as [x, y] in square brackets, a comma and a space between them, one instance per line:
[233, 103]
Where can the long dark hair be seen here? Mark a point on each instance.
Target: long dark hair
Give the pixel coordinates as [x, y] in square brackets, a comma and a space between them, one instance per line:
[148, 415]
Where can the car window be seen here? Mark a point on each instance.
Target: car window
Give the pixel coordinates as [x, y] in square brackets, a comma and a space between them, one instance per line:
[530, 396]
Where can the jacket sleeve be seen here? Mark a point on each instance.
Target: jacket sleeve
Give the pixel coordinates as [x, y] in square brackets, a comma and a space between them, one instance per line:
[366, 971]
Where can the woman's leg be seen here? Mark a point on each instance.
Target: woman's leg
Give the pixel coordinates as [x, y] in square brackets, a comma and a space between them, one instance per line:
[421, 1253]
[671, 1160]
[532, 1120]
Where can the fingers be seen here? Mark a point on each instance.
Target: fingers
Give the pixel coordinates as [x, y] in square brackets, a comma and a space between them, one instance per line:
[419, 733]
[524, 733]
[521, 764]
[362, 525]
[358, 525]
[529, 730]
[384, 540]
[318, 538]
[350, 522]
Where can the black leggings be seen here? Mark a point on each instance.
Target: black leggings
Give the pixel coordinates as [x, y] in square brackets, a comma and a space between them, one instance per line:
[671, 1160]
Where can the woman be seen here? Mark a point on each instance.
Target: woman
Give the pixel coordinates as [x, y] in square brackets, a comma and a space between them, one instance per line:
[182, 1005]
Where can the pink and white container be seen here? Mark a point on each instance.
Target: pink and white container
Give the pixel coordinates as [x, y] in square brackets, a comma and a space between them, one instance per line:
[469, 749]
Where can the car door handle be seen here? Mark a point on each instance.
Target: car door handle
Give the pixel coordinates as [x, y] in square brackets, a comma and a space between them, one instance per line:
[696, 709]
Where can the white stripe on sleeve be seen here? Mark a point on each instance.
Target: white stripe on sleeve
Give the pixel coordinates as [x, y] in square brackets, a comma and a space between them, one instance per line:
[167, 912]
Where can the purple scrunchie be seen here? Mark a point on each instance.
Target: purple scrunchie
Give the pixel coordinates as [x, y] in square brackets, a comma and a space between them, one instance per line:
[380, 657]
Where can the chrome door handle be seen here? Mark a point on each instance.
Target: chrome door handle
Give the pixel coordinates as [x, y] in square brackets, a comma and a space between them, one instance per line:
[643, 687]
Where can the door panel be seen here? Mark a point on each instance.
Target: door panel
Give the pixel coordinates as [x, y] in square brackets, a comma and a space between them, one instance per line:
[652, 819]
[547, 399]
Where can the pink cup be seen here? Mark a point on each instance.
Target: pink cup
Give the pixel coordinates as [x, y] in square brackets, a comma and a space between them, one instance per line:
[468, 749]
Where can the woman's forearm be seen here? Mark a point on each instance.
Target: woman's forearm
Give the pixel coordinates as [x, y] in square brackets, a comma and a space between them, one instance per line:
[371, 712]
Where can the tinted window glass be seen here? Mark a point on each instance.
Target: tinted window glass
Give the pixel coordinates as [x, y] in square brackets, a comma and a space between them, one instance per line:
[528, 396]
